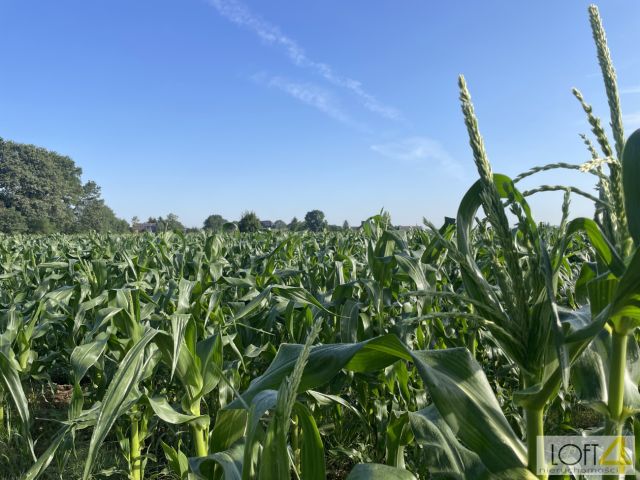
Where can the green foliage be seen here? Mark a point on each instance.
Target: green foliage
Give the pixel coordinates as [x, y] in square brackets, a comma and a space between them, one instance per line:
[214, 223]
[230, 227]
[41, 192]
[93, 215]
[249, 222]
[631, 179]
[40, 225]
[172, 223]
[294, 224]
[199, 336]
[169, 224]
[12, 221]
[314, 220]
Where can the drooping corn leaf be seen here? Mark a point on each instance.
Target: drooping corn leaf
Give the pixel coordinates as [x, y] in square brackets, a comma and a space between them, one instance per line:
[167, 413]
[456, 383]
[230, 460]
[86, 355]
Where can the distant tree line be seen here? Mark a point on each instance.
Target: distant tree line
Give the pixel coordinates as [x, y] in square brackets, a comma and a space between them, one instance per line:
[42, 192]
[249, 222]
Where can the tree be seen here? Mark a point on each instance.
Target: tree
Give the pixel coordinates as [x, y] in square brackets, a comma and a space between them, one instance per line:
[294, 224]
[315, 220]
[345, 225]
[214, 223]
[279, 225]
[135, 221]
[97, 216]
[93, 214]
[230, 227]
[45, 188]
[39, 225]
[249, 222]
[171, 223]
[12, 221]
[120, 225]
[39, 184]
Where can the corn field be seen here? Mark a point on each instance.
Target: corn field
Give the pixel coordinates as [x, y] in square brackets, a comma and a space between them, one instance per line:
[376, 353]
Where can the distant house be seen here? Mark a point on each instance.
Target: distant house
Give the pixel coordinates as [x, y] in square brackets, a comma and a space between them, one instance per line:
[268, 224]
[145, 227]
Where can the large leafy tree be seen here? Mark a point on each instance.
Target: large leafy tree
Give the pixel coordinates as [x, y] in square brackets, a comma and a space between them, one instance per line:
[42, 185]
[315, 220]
[214, 223]
[249, 222]
[43, 191]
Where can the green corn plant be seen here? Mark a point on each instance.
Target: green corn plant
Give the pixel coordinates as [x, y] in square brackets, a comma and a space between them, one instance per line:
[458, 388]
[514, 294]
[122, 396]
[611, 282]
[12, 387]
[195, 362]
[19, 359]
[247, 458]
[274, 461]
[617, 296]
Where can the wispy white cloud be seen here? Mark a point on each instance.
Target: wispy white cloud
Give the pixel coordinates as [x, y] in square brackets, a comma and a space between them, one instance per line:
[241, 15]
[421, 151]
[631, 121]
[630, 90]
[309, 94]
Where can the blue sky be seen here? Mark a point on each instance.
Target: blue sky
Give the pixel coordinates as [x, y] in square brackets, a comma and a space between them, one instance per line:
[217, 106]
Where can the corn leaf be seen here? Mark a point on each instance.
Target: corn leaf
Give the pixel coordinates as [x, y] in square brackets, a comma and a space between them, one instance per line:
[115, 400]
[12, 385]
[376, 471]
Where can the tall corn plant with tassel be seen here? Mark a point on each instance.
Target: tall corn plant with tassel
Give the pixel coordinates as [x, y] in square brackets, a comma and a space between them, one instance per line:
[618, 292]
[514, 295]
[604, 374]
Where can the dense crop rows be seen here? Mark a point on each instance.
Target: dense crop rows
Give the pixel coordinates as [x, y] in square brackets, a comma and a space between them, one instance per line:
[213, 311]
[374, 353]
